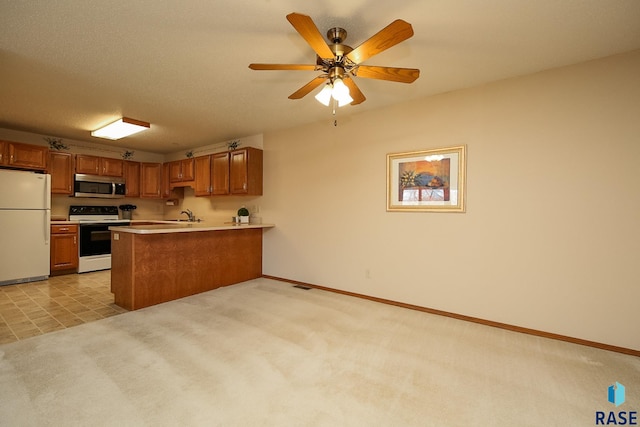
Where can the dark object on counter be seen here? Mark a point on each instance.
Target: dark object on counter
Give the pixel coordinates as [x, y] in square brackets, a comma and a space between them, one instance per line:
[126, 210]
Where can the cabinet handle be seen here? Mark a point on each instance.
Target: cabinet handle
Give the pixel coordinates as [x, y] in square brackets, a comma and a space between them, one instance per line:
[74, 240]
[64, 229]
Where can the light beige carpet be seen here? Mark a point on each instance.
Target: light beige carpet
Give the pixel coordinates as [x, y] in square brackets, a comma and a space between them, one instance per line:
[263, 353]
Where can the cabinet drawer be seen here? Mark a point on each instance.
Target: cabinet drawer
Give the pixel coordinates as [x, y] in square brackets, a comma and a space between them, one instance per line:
[64, 229]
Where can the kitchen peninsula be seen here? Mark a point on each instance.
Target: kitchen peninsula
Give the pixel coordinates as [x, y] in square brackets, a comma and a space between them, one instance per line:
[162, 261]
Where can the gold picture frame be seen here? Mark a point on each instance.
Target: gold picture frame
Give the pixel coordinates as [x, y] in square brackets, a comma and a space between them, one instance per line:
[427, 181]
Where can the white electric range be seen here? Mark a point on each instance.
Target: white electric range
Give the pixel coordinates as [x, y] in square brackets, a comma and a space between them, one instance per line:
[95, 238]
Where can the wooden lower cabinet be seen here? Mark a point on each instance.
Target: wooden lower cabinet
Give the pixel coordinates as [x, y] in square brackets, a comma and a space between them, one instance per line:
[64, 249]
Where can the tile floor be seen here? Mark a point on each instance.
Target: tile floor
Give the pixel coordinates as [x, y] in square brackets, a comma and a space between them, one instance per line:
[30, 309]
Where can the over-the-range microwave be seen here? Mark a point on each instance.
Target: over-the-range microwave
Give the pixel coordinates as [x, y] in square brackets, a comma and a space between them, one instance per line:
[106, 187]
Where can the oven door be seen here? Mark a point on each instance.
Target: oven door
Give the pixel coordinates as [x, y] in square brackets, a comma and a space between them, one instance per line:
[95, 239]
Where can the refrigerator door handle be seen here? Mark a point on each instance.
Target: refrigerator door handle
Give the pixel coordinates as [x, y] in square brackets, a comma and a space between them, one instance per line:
[47, 227]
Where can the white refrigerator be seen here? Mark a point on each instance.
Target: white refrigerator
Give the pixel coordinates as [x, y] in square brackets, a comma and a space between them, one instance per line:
[25, 226]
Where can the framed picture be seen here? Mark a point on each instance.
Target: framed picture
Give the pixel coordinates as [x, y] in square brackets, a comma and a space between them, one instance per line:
[427, 181]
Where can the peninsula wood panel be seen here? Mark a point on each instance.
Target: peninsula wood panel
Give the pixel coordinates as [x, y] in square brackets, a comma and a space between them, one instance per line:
[149, 269]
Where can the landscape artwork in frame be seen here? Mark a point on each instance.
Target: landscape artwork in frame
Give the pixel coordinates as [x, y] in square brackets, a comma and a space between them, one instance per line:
[427, 181]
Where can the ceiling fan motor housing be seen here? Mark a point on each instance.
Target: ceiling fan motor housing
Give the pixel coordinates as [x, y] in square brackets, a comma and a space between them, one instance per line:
[337, 35]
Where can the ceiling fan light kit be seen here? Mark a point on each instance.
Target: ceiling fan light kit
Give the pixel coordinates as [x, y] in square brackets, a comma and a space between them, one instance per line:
[339, 64]
[336, 90]
[121, 128]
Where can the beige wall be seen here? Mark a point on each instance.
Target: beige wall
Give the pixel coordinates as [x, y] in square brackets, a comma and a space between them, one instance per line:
[551, 236]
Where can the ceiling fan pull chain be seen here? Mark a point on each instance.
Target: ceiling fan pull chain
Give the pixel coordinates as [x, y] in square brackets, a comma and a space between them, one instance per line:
[335, 105]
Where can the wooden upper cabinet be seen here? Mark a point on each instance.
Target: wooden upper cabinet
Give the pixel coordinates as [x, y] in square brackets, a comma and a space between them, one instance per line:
[87, 164]
[132, 178]
[151, 180]
[220, 173]
[182, 170]
[61, 171]
[112, 167]
[94, 165]
[3, 152]
[245, 171]
[23, 156]
[202, 185]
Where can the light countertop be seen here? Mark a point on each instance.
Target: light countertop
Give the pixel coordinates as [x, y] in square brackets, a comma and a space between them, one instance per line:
[156, 227]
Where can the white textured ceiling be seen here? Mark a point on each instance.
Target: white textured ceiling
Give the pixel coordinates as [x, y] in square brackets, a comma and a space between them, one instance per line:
[68, 66]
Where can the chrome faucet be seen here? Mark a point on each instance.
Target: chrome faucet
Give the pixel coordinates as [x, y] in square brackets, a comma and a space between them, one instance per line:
[192, 218]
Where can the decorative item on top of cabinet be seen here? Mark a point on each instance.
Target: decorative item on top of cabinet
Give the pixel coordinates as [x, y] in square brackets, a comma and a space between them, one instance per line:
[94, 165]
[132, 178]
[23, 156]
[64, 249]
[55, 143]
[61, 171]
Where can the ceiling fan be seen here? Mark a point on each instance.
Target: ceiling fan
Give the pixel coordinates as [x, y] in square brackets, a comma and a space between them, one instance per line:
[339, 63]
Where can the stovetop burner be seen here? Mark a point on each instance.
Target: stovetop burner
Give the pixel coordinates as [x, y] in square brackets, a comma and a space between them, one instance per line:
[94, 214]
[93, 210]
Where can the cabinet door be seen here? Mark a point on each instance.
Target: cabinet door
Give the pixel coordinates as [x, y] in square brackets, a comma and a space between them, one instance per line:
[245, 170]
[188, 169]
[202, 185]
[61, 170]
[220, 173]
[64, 247]
[238, 172]
[27, 156]
[3, 153]
[182, 170]
[87, 164]
[166, 180]
[132, 178]
[150, 180]
[175, 171]
[111, 167]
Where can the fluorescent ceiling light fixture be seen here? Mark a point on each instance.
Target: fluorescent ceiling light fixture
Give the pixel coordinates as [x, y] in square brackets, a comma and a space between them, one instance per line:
[121, 128]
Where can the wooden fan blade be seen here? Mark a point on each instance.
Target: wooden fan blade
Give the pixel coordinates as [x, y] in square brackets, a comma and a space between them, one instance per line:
[354, 91]
[307, 29]
[401, 75]
[394, 33]
[295, 67]
[308, 87]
